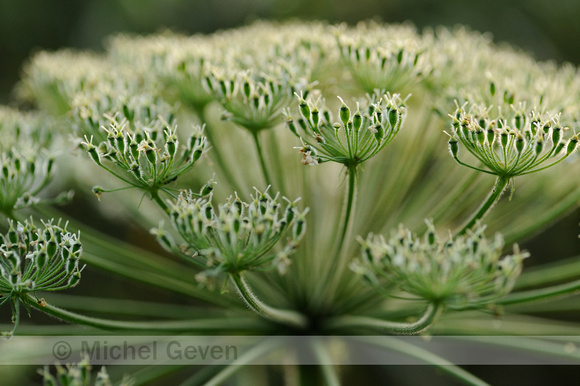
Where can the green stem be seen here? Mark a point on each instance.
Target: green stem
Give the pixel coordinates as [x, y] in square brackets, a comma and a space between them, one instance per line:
[288, 317]
[338, 266]
[155, 197]
[350, 201]
[328, 371]
[261, 158]
[427, 357]
[429, 317]
[494, 195]
[247, 358]
[215, 152]
[201, 325]
[550, 273]
[539, 294]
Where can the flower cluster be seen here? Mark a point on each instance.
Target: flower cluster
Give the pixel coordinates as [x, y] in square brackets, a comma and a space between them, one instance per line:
[26, 165]
[79, 374]
[352, 140]
[382, 58]
[91, 111]
[148, 158]
[236, 237]
[467, 271]
[254, 100]
[519, 144]
[37, 259]
[51, 82]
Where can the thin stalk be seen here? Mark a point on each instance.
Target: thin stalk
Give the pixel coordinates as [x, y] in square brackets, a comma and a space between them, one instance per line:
[542, 293]
[550, 273]
[429, 317]
[200, 325]
[427, 357]
[492, 198]
[262, 159]
[340, 253]
[155, 197]
[328, 370]
[255, 352]
[288, 317]
[349, 207]
[215, 152]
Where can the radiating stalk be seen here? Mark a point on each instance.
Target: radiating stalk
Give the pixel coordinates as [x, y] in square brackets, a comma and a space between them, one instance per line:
[356, 322]
[539, 294]
[288, 317]
[262, 159]
[200, 325]
[428, 358]
[494, 195]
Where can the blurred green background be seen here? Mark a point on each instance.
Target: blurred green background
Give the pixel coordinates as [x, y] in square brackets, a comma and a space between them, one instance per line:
[549, 29]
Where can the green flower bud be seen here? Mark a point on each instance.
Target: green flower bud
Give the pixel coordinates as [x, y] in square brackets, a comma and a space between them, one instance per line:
[304, 109]
[520, 143]
[571, 145]
[344, 112]
[453, 147]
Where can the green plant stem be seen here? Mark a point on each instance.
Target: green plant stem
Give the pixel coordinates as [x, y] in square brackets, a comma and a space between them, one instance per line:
[492, 198]
[339, 254]
[427, 357]
[155, 197]
[262, 159]
[201, 325]
[325, 361]
[287, 317]
[542, 293]
[255, 352]
[349, 207]
[215, 152]
[550, 273]
[354, 322]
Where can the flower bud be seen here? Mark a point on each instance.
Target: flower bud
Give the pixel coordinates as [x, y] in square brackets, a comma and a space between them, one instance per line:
[520, 143]
[344, 112]
[572, 145]
[304, 109]
[453, 147]
[556, 135]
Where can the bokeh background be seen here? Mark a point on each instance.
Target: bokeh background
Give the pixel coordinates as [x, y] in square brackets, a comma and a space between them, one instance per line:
[549, 30]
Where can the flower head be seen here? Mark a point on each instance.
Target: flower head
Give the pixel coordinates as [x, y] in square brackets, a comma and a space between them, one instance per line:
[237, 236]
[355, 137]
[149, 157]
[517, 142]
[461, 272]
[37, 259]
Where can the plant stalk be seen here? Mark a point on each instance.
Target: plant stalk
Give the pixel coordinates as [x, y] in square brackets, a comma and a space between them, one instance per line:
[492, 198]
[354, 322]
[288, 317]
[262, 159]
[152, 326]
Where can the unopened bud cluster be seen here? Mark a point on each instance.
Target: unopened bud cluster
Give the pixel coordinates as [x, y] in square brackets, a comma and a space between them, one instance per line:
[38, 259]
[254, 100]
[357, 136]
[79, 374]
[237, 236]
[93, 111]
[461, 272]
[382, 58]
[147, 157]
[22, 177]
[523, 143]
